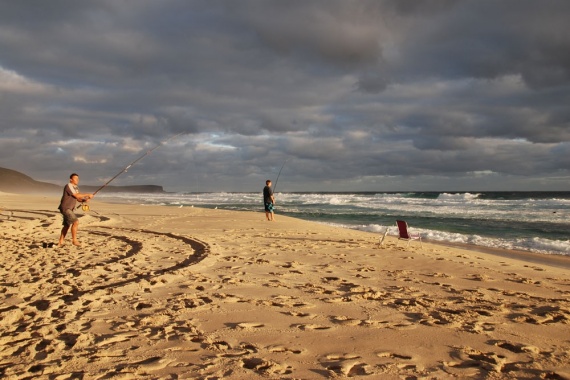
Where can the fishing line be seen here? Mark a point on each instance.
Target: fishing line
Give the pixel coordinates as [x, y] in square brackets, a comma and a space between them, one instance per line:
[85, 206]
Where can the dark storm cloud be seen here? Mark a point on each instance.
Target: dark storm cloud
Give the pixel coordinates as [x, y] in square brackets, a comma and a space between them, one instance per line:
[349, 92]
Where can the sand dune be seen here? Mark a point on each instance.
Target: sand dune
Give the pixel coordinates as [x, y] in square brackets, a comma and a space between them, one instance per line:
[188, 293]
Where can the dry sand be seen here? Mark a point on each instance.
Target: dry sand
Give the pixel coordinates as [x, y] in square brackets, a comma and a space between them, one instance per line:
[188, 293]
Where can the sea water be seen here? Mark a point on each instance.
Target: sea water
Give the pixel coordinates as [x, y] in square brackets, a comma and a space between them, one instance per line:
[530, 221]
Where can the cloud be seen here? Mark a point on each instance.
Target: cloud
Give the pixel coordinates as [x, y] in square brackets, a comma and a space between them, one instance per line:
[350, 93]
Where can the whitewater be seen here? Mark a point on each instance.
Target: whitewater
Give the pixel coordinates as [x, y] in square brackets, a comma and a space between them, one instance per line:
[530, 221]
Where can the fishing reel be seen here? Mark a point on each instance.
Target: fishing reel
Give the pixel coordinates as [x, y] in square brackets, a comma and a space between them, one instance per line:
[84, 206]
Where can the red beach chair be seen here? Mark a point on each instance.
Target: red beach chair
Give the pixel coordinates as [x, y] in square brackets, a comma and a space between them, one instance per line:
[403, 233]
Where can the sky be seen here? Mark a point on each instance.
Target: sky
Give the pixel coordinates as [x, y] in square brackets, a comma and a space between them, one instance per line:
[338, 95]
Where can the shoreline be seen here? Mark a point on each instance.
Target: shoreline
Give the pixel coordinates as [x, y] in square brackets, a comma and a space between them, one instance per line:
[524, 234]
[167, 292]
[557, 260]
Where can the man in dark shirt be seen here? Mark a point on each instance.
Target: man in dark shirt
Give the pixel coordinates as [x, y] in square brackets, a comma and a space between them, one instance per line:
[268, 200]
[69, 199]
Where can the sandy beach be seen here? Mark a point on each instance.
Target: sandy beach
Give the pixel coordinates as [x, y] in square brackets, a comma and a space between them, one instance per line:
[187, 293]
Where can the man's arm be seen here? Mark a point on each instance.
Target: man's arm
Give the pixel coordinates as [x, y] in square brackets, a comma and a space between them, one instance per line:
[82, 197]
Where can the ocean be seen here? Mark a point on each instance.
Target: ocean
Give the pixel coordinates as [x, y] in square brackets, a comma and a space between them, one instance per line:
[530, 221]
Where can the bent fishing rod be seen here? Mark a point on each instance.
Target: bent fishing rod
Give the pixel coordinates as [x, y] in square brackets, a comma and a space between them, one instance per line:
[85, 207]
[275, 187]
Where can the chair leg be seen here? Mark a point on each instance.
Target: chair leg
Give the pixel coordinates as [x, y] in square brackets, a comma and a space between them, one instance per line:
[381, 242]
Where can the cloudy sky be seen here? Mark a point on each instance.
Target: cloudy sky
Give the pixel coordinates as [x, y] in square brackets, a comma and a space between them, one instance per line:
[375, 95]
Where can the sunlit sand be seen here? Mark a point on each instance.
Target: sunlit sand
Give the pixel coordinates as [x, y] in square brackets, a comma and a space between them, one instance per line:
[168, 292]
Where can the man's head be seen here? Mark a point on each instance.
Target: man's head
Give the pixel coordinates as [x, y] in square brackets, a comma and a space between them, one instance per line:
[74, 178]
[268, 182]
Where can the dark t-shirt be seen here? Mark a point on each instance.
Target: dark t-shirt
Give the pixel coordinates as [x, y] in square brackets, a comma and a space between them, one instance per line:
[267, 193]
[68, 201]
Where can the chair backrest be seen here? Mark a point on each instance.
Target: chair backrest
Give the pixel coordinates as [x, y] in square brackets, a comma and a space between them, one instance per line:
[403, 229]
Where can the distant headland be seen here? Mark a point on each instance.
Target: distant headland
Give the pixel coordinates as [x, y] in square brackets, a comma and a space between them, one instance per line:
[12, 181]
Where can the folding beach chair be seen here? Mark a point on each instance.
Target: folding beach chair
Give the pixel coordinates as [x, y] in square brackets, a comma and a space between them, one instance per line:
[403, 233]
[383, 237]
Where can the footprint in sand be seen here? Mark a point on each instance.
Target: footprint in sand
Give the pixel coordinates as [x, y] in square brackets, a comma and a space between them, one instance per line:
[346, 365]
[392, 355]
[345, 321]
[472, 361]
[249, 325]
[67, 284]
[300, 314]
[539, 269]
[516, 347]
[550, 314]
[266, 367]
[310, 327]
[376, 324]
[479, 277]
[438, 275]
[283, 349]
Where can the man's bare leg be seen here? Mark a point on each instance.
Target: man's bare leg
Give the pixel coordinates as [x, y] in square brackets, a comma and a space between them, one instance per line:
[64, 230]
[74, 233]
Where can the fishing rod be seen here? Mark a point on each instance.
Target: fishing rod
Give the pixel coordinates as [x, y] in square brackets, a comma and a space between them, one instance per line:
[85, 207]
[275, 187]
[135, 161]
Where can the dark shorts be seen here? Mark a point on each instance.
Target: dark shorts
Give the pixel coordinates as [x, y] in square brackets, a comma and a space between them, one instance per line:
[69, 217]
[269, 207]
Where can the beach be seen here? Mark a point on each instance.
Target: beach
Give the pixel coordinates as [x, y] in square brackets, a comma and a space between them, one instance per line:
[158, 292]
